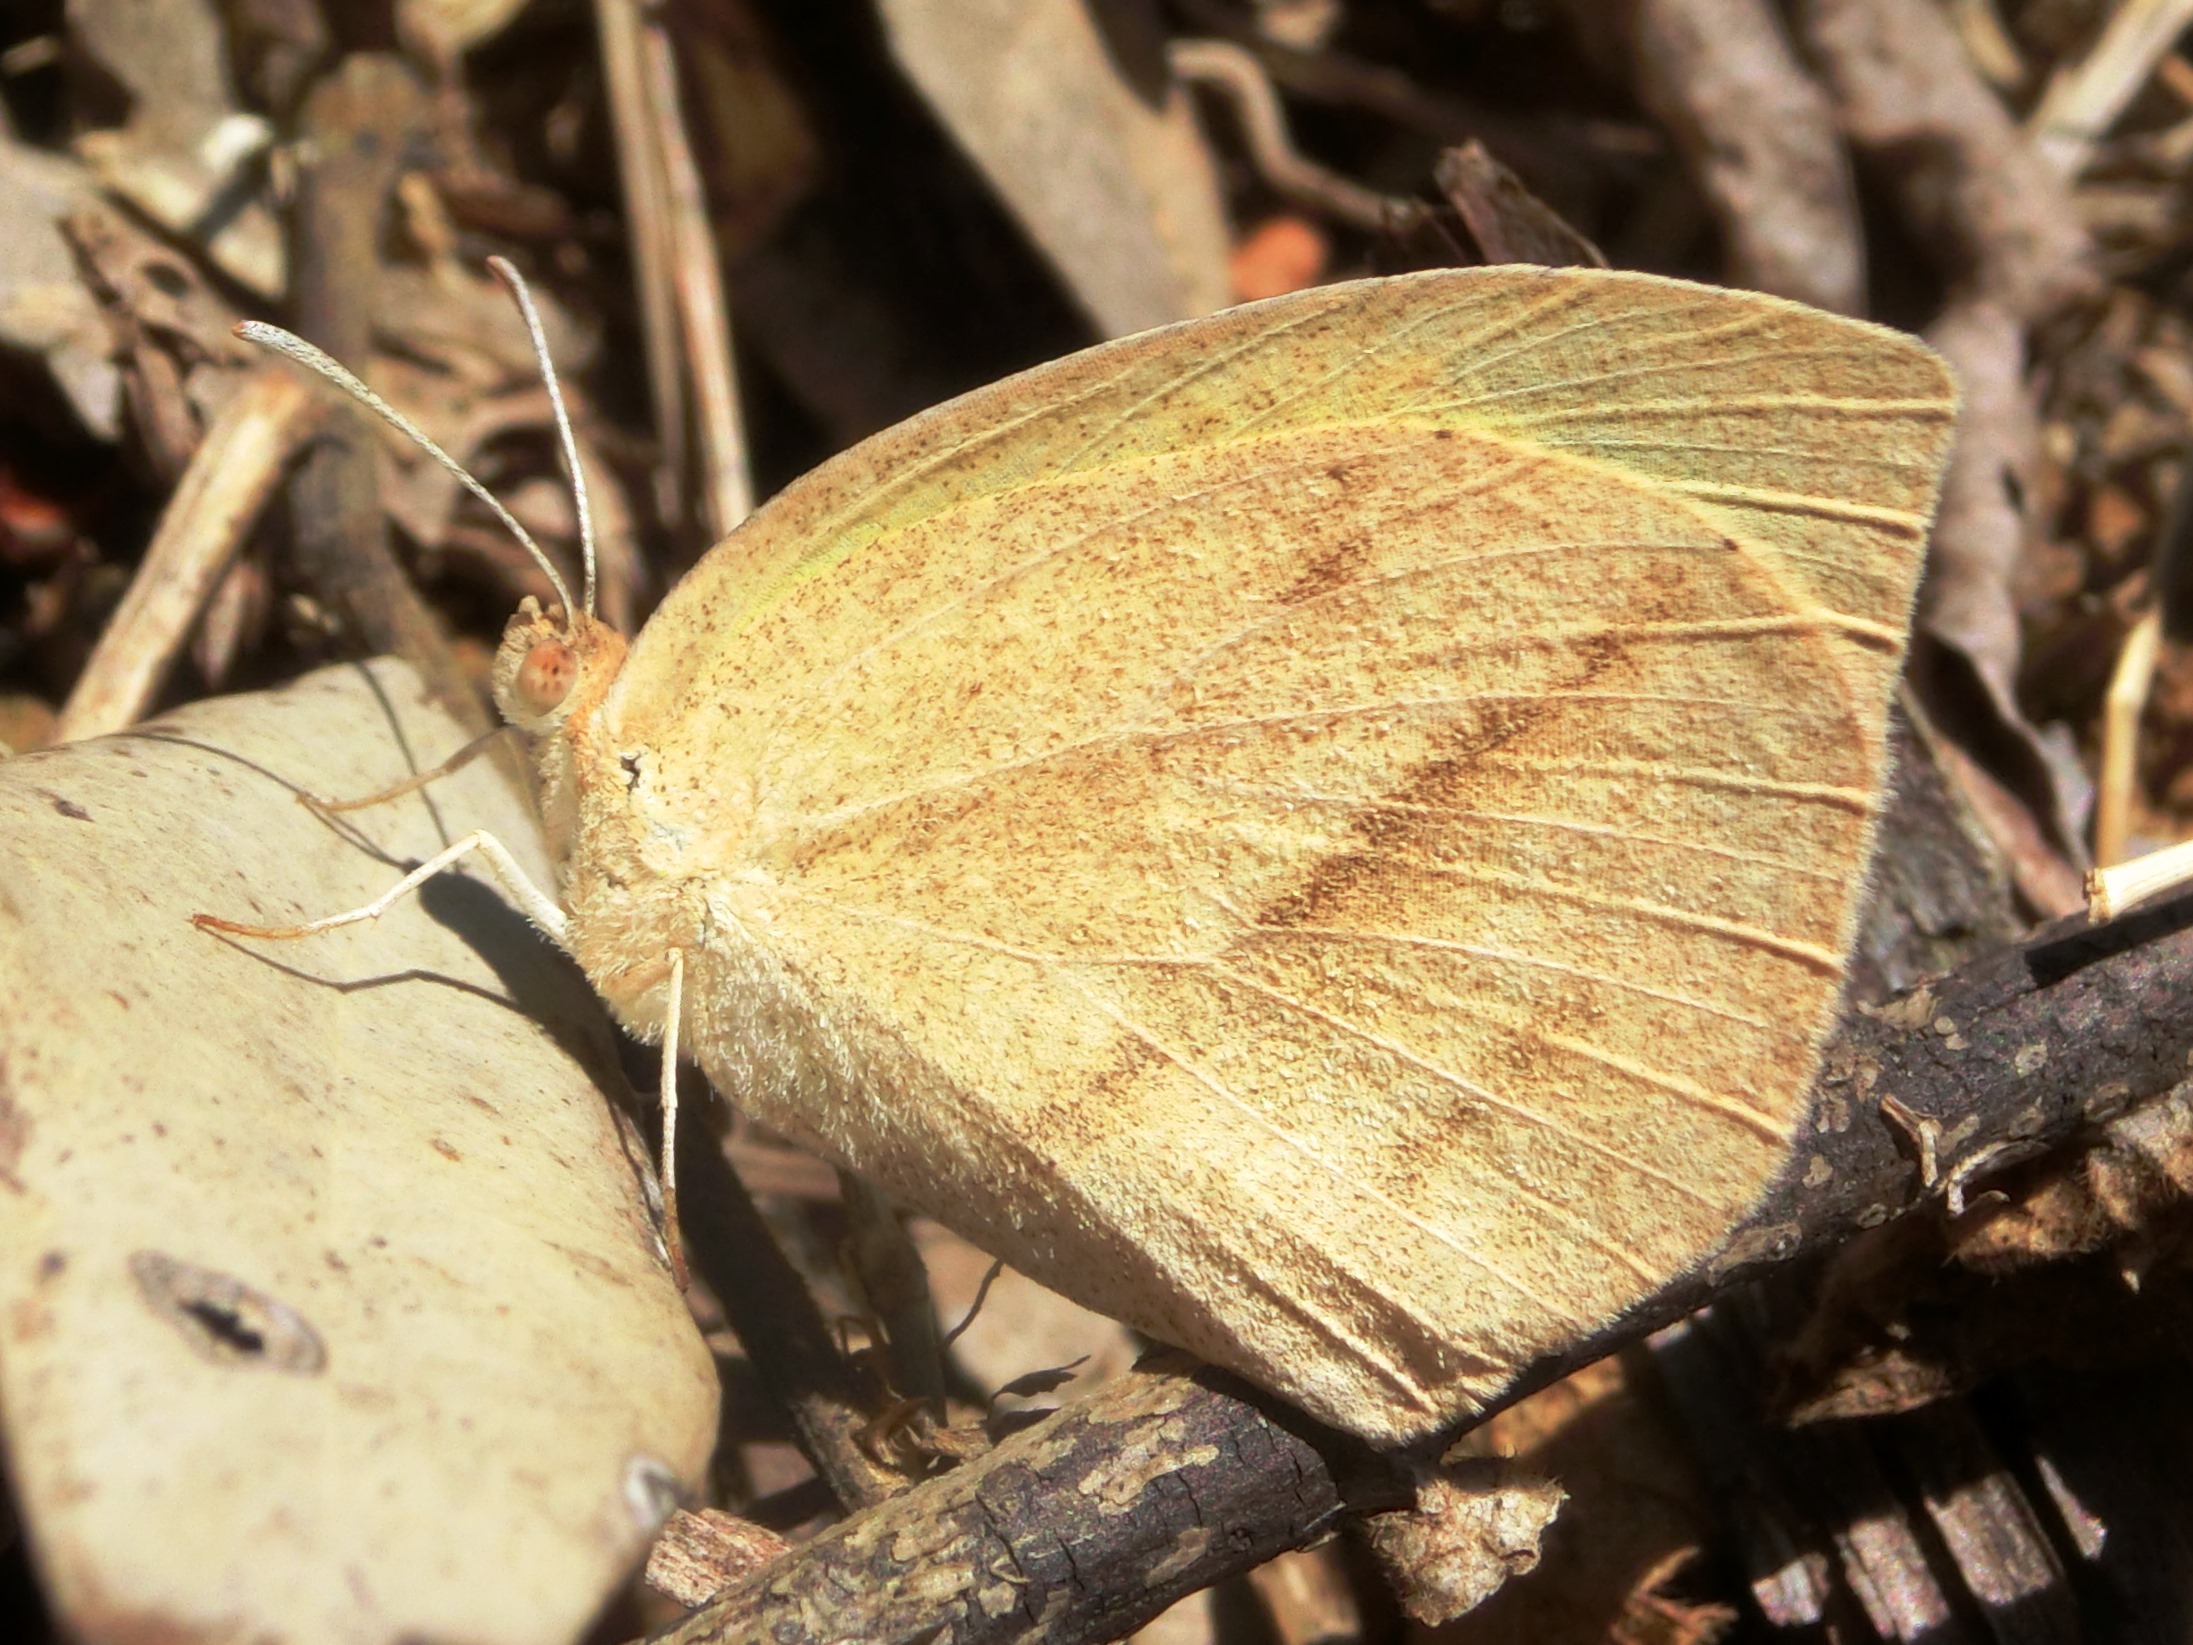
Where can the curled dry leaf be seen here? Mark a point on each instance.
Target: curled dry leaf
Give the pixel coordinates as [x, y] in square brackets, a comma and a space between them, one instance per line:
[1509, 223]
[1636, 1513]
[169, 331]
[331, 1308]
[2131, 1191]
[2075, 1257]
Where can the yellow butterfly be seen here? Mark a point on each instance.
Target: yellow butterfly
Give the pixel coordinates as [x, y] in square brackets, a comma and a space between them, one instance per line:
[1327, 832]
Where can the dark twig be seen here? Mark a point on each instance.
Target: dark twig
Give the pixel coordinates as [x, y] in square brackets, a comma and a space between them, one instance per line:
[1082, 1528]
[356, 125]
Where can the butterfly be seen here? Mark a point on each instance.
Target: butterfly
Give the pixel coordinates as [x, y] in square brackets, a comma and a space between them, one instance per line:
[1327, 832]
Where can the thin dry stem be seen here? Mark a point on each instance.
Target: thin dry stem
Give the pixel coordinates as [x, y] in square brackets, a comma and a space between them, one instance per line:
[1235, 72]
[703, 311]
[2111, 891]
[2084, 99]
[228, 482]
[653, 242]
[2129, 684]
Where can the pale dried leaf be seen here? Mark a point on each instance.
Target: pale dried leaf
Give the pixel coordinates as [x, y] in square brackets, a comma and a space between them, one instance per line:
[1475, 1524]
[44, 308]
[1118, 191]
[329, 1306]
[187, 143]
[1023, 1327]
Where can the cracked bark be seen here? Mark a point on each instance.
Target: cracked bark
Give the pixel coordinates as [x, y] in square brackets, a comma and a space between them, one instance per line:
[1165, 1481]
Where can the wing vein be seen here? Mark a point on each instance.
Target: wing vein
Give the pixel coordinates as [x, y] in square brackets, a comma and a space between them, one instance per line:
[1063, 969]
[1480, 1093]
[1265, 1122]
[1512, 956]
[1736, 782]
[973, 593]
[1825, 961]
[1554, 303]
[1686, 361]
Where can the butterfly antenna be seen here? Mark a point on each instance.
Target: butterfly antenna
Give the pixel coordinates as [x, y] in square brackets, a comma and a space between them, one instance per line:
[505, 271]
[296, 348]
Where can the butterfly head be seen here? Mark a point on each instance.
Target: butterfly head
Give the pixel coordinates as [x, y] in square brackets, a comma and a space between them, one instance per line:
[551, 661]
[550, 665]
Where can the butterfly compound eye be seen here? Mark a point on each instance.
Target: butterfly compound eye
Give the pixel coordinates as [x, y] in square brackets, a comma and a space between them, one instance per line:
[546, 675]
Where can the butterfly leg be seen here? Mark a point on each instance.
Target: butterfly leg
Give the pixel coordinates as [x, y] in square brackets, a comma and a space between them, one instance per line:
[412, 784]
[673, 1009]
[537, 905]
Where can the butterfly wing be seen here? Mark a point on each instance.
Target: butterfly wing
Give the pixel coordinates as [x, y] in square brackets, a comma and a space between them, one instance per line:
[1328, 832]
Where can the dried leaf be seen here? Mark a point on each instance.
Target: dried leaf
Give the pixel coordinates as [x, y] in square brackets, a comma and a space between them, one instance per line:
[1037, 1383]
[169, 330]
[1509, 223]
[187, 146]
[1117, 189]
[44, 307]
[1023, 1327]
[329, 1307]
[1475, 1524]
[1636, 1508]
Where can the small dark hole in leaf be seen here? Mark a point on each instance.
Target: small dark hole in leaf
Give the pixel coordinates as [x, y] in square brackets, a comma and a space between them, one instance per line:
[224, 1320]
[227, 1326]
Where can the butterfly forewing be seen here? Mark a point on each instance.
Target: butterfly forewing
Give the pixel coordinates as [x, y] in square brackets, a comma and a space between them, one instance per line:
[1328, 832]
